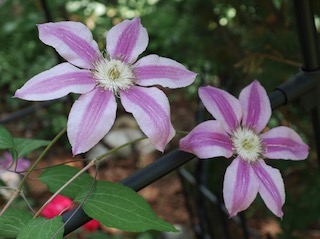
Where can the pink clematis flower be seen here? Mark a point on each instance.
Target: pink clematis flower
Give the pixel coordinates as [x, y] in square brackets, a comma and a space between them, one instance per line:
[100, 78]
[9, 173]
[237, 131]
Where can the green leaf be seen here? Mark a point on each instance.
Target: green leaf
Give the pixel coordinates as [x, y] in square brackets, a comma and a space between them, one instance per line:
[120, 207]
[26, 146]
[42, 228]
[6, 140]
[12, 221]
[57, 176]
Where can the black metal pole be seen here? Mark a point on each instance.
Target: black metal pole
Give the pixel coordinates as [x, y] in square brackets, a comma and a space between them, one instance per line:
[189, 206]
[309, 44]
[201, 175]
[307, 34]
[29, 110]
[137, 181]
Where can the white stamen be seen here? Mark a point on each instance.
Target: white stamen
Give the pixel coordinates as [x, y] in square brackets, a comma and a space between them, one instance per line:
[247, 144]
[113, 75]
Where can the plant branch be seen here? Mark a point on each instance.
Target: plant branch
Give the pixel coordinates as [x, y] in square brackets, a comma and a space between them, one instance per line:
[44, 152]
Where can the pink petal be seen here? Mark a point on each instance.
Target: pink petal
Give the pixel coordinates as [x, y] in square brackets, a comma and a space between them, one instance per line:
[90, 118]
[207, 140]
[256, 106]
[240, 186]
[284, 143]
[155, 70]
[271, 186]
[73, 41]
[151, 109]
[56, 206]
[223, 106]
[127, 40]
[91, 226]
[7, 161]
[57, 82]
[19, 165]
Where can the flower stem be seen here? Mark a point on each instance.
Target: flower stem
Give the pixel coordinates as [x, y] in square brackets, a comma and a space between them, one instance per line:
[182, 132]
[44, 152]
[102, 156]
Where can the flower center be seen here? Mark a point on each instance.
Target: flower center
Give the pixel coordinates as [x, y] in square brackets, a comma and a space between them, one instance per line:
[113, 75]
[247, 144]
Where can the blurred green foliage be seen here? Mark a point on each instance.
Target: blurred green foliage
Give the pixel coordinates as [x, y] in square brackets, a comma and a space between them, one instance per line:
[228, 42]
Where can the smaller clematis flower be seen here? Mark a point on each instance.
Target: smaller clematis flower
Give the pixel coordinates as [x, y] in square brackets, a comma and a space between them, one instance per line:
[7, 163]
[237, 131]
[9, 172]
[99, 78]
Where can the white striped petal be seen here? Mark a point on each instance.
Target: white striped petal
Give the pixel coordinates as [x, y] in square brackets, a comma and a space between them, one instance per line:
[156, 70]
[73, 41]
[90, 118]
[256, 107]
[240, 186]
[151, 109]
[223, 106]
[284, 143]
[271, 186]
[207, 140]
[127, 40]
[57, 82]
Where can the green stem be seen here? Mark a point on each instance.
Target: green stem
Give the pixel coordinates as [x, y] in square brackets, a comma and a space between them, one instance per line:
[102, 156]
[44, 152]
[182, 132]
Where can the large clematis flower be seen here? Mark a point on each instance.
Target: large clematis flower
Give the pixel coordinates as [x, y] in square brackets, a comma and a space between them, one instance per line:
[100, 78]
[237, 132]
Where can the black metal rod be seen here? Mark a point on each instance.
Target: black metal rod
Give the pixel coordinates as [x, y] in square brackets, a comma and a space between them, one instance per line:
[315, 119]
[201, 172]
[307, 34]
[28, 110]
[46, 10]
[137, 181]
[309, 44]
[161, 167]
[296, 88]
[194, 225]
[214, 200]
